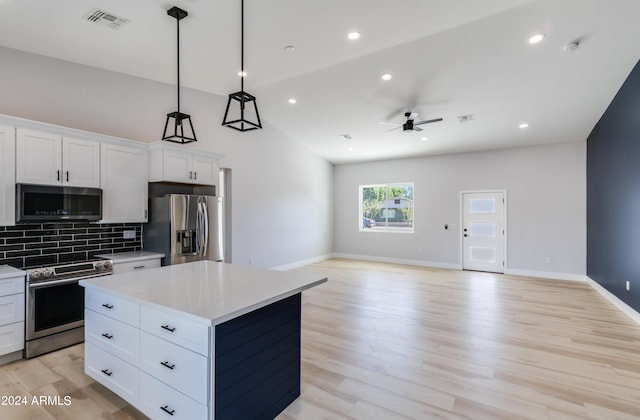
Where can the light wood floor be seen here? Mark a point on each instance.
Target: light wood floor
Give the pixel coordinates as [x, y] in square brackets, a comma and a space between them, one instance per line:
[383, 341]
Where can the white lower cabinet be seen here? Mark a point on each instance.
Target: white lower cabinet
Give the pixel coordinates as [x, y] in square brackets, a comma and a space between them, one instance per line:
[125, 351]
[12, 283]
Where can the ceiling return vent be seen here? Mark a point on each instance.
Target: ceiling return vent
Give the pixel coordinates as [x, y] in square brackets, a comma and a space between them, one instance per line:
[105, 19]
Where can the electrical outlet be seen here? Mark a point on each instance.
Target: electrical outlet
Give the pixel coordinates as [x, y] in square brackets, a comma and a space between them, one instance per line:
[129, 234]
[628, 285]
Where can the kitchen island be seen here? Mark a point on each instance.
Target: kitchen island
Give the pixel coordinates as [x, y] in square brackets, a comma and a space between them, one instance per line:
[201, 340]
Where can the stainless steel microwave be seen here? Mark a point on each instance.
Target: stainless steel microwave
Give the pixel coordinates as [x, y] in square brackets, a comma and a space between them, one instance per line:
[45, 203]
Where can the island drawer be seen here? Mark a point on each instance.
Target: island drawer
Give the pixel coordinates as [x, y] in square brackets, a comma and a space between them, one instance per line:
[117, 375]
[181, 331]
[11, 309]
[113, 307]
[118, 338]
[159, 401]
[181, 368]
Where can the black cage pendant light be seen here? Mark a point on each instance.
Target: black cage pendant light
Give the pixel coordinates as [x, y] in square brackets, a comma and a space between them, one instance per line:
[241, 103]
[178, 128]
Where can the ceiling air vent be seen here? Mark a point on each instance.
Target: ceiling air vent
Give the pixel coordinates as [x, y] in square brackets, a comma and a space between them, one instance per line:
[465, 118]
[105, 19]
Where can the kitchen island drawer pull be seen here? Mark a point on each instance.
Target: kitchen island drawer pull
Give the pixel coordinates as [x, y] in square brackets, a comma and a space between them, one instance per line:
[107, 305]
[137, 267]
[107, 372]
[166, 409]
[108, 336]
[168, 328]
[168, 365]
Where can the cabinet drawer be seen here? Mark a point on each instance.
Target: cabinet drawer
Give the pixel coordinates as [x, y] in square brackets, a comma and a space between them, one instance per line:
[11, 337]
[11, 285]
[183, 369]
[117, 375]
[135, 265]
[117, 338]
[159, 401]
[183, 332]
[113, 307]
[11, 309]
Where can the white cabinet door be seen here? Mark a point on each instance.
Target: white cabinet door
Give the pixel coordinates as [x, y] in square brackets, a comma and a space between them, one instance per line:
[81, 163]
[205, 170]
[7, 176]
[177, 166]
[123, 178]
[38, 157]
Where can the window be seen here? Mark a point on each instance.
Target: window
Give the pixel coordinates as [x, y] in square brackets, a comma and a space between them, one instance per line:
[386, 207]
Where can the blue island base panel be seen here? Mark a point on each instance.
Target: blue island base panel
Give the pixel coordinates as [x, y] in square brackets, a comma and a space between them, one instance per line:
[257, 362]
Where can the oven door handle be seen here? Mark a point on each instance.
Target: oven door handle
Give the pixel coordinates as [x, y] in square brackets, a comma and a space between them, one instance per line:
[42, 284]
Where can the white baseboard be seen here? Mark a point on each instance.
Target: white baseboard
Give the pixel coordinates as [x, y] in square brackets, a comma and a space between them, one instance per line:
[298, 264]
[419, 263]
[628, 310]
[546, 274]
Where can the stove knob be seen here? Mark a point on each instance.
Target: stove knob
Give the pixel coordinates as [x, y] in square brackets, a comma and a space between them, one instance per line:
[98, 266]
[107, 265]
[35, 275]
[47, 273]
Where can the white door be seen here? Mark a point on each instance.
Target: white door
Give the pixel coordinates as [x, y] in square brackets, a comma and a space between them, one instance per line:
[205, 170]
[178, 166]
[483, 231]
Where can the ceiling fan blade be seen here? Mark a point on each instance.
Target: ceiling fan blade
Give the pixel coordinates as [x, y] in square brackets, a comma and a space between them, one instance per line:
[417, 128]
[394, 128]
[427, 121]
[412, 116]
[389, 123]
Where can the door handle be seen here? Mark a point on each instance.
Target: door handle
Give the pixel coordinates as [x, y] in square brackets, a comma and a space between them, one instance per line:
[58, 174]
[465, 235]
[67, 176]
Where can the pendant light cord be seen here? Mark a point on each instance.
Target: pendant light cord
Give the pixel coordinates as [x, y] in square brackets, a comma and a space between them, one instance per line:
[242, 72]
[178, 55]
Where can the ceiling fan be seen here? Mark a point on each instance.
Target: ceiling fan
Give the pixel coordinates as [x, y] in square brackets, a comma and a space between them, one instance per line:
[411, 123]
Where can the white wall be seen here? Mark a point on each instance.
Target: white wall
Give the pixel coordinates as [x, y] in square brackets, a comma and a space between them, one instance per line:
[280, 188]
[546, 193]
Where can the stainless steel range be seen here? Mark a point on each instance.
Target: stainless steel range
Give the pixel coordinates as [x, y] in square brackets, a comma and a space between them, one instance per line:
[55, 305]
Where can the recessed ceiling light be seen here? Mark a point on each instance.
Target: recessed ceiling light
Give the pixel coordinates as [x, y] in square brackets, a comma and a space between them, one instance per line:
[354, 35]
[536, 38]
[292, 101]
[289, 48]
[345, 136]
[242, 73]
[350, 148]
[424, 138]
[386, 76]
[524, 125]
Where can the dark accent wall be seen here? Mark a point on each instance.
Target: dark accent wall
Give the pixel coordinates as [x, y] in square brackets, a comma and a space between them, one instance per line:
[257, 362]
[613, 195]
[39, 244]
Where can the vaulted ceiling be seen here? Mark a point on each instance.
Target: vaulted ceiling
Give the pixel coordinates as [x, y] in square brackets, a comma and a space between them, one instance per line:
[447, 58]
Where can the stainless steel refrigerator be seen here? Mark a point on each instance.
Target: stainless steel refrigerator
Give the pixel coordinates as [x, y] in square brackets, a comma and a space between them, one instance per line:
[186, 228]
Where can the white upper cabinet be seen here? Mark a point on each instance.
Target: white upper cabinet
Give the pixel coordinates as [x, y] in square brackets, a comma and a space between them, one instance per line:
[177, 164]
[7, 176]
[81, 162]
[124, 175]
[49, 159]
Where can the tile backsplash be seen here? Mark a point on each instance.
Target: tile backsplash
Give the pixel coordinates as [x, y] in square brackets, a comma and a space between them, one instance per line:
[39, 244]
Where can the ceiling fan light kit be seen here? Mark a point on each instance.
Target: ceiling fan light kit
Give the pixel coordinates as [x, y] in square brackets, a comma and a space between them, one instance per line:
[178, 128]
[410, 124]
[235, 115]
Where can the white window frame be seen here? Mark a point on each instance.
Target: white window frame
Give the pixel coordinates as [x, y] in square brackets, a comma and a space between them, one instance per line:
[386, 229]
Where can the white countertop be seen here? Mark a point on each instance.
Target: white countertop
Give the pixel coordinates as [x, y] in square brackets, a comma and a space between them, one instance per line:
[8, 271]
[206, 291]
[125, 257]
